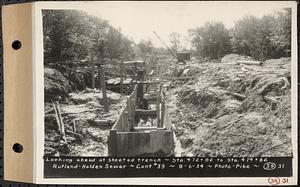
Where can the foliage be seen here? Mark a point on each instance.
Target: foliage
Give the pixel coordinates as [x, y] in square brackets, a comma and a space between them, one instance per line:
[145, 47]
[211, 40]
[73, 34]
[261, 38]
[267, 37]
[175, 41]
[281, 35]
[243, 35]
[179, 42]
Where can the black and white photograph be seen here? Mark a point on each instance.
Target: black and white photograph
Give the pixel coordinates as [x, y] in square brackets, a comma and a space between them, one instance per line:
[159, 79]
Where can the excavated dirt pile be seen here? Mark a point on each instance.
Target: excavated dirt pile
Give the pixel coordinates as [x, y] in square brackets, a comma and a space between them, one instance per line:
[55, 85]
[231, 109]
[85, 121]
[84, 111]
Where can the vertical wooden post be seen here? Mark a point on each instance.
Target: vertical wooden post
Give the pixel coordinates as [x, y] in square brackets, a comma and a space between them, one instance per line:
[60, 121]
[158, 108]
[125, 118]
[162, 114]
[133, 104]
[158, 96]
[103, 88]
[57, 118]
[130, 114]
[74, 125]
[93, 70]
[62, 125]
[122, 121]
[140, 91]
[162, 109]
[147, 70]
[76, 86]
[112, 142]
[122, 78]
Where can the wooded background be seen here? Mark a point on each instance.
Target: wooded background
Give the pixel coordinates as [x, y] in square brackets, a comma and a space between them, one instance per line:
[73, 34]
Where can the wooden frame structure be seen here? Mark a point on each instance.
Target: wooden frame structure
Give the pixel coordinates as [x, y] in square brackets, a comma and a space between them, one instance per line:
[127, 139]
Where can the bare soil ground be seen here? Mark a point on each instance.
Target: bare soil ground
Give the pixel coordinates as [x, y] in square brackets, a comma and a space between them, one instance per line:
[86, 110]
[221, 109]
[232, 110]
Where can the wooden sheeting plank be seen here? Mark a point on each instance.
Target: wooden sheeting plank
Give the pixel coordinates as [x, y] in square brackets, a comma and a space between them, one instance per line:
[140, 112]
[131, 144]
[142, 140]
[112, 143]
[154, 140]
[147, 146]
[120, 143]
[167, 141]
[160, 136]
[125, 144]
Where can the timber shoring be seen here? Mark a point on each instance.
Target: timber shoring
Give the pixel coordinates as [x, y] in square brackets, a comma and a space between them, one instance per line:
[126, 139]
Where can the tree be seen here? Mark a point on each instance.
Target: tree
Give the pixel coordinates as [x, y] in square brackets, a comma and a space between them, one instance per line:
[281, 35]
[73, 34]
[175, 41]
[262, 44]
[244, 35]
[145, 47]
[261, 38]
[211, 40]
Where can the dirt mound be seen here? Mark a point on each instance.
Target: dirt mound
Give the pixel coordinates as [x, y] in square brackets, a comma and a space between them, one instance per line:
[89, 95]
[233, 110]
[85, 112]
[243, 135]
[283, 62]
[198, 97]
[234, 57]
[55, 85]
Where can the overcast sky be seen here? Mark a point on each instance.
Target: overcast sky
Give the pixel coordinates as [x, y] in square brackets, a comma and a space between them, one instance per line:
[138, 20]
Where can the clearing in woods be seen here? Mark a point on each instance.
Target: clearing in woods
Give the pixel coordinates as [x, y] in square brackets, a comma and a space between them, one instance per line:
[217, 109]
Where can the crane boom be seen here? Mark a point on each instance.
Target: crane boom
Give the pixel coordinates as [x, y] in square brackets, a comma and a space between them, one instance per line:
[172, 52]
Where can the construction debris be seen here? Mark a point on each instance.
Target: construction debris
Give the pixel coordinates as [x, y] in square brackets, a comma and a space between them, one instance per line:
[88, 135]
[247, 62]
[231, 111]
[239, 107]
